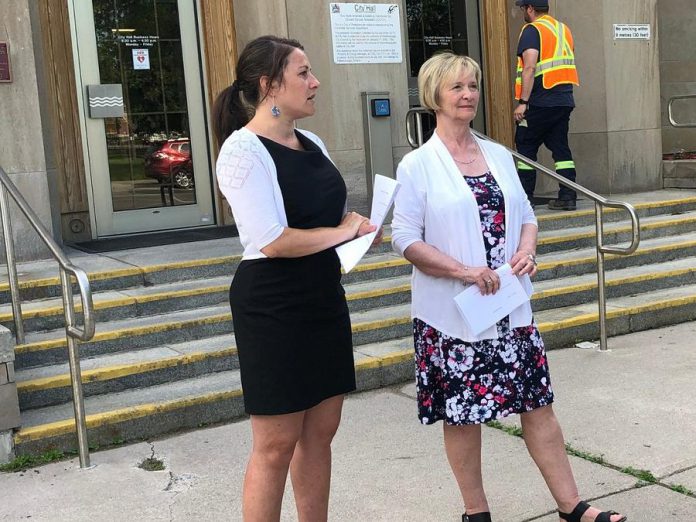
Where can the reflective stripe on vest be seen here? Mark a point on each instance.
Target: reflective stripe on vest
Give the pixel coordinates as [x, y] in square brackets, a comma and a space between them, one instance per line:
[556, 62]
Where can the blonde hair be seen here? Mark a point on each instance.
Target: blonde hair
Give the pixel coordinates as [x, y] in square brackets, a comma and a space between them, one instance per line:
[440, 69]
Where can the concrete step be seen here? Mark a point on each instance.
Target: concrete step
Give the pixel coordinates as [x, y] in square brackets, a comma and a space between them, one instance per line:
[584, 261]
[47, 314]
[210, 259]
[164, 345]
[47, 385]
[189, 403]
[156, 299]
[616, 233]
[151, 411]
[584, 216]
[576, 290]
[39, 280]
[49, 347]
[679, 174]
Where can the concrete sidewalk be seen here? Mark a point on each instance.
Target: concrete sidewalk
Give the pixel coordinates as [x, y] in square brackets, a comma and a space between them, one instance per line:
[634, 407]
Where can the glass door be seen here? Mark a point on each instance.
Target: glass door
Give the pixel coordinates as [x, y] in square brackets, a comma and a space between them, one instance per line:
[144, 114]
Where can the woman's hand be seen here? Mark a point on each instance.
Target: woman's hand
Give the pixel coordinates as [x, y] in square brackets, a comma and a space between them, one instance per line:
[355, 225]
[378, 237]
[366, 228]
[485, 278]
[523, 262]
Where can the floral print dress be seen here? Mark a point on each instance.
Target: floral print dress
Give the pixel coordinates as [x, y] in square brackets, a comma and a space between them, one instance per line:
[475, 382]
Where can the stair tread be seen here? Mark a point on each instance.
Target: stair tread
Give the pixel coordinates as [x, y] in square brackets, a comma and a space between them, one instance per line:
[617, 304]
[109, 327]
[185, 388]
[221, 342]
[110, 297]
[649, 221]
[618, 274]
[645, 244]
[151, 265]
[136, 260]
[369, 315]
[229, 380]
[197, 386]
[208, 345]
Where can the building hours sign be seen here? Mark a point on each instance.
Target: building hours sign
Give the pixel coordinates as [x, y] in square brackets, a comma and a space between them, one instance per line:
[366, 33]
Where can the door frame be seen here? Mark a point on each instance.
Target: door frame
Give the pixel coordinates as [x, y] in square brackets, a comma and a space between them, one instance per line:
[198, 123]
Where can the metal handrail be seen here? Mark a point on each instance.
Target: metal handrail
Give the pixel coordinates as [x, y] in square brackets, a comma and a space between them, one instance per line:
[672, 121]
[417, 113]
[73, 333]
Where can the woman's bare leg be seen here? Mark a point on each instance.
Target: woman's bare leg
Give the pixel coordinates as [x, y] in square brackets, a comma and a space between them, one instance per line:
[463, 448]
[274, 440]
[544, 439]
[310, 469]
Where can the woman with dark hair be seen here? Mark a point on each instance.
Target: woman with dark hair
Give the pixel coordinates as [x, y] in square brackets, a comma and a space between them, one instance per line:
[290, 316]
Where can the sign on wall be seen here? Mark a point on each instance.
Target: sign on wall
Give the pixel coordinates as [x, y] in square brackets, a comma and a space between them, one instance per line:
[5, 68]
[632, 31]
[366, 33]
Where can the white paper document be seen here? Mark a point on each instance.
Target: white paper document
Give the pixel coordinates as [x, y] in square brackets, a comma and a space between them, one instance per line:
[483, 311]
[383, 194]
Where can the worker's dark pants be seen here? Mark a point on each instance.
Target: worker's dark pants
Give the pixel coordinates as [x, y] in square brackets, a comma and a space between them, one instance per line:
[547, 125]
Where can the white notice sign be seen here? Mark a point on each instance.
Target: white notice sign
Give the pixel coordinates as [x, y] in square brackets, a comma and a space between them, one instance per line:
[141, 59]
[632, 31]
[366, 33]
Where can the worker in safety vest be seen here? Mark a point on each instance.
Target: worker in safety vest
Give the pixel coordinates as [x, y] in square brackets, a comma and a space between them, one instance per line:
[546, 74]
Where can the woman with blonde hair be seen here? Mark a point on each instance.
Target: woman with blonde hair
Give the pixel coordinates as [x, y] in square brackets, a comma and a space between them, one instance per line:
[461, 213]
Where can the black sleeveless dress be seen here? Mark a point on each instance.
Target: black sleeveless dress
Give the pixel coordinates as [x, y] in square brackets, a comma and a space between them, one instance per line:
[290, 316]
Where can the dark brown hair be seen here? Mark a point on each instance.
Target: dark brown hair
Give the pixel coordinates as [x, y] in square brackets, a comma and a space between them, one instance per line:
[236, 105]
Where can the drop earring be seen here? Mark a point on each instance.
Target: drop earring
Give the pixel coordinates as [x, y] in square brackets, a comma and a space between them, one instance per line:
[275, 111]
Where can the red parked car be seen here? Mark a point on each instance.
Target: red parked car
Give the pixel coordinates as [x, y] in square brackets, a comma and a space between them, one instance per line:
[170, 162]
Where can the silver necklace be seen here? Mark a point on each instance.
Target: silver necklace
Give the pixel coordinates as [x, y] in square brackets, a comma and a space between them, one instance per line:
[470, 161]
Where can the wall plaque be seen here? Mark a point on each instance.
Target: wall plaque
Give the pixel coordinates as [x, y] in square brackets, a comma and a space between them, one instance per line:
[5, 68]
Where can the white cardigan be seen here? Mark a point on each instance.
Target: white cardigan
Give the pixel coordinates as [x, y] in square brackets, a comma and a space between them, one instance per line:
[436, 205]
[248, 178]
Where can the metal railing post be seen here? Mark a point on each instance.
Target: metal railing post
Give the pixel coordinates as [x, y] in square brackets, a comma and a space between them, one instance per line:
[11, 265]
[600, 203]
[601, 283]
[73, 333]
[75, 371]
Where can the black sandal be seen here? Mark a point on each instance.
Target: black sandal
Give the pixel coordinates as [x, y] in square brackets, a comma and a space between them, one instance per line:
[477, 517]
[579, 511]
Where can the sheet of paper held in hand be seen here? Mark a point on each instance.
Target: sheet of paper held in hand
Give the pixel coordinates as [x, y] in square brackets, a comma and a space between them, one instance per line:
[483, 311]
[384, 192]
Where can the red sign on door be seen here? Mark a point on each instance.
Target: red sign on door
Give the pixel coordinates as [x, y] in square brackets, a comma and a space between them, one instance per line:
[5, 69]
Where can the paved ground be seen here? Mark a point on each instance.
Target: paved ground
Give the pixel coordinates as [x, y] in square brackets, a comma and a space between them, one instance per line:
[634, 407]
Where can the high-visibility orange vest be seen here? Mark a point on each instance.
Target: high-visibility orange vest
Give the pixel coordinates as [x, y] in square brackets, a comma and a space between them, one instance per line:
[556, 62]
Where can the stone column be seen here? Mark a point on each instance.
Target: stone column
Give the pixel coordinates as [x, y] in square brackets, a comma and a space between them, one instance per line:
[9, 404]
[23, 149]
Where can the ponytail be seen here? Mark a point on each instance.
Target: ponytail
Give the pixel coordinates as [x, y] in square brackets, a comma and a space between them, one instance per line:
[229, 113]
[236, 105]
